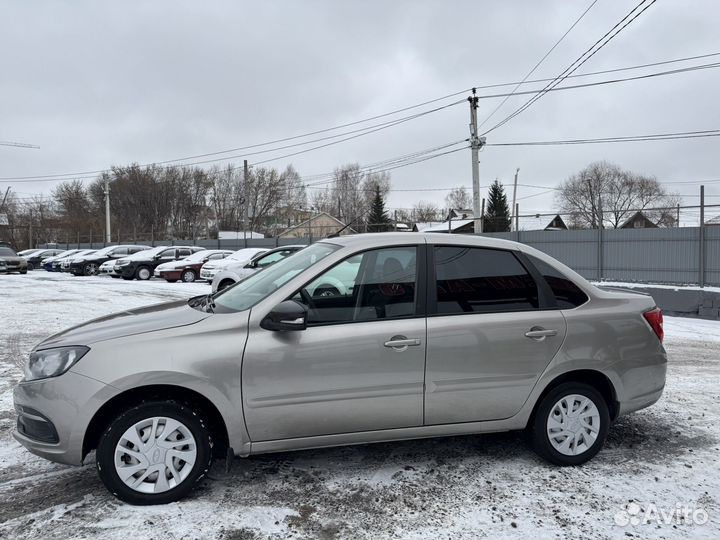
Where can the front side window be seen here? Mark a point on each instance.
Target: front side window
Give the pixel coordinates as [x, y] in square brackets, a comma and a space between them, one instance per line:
[253, 289]
[479, 280]
[374, 285]
[262, 262]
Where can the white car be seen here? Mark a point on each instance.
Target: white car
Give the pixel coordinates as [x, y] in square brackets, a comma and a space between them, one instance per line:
[106, 269]
[188, 269]
[239, 259]
[231, 274]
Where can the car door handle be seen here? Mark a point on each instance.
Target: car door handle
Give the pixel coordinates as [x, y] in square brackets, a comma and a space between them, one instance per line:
[397, 343]
[540, 333]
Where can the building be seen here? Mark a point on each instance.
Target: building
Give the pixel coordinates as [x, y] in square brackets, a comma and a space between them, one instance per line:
[320, 225]
[638, 221]
[541, 223]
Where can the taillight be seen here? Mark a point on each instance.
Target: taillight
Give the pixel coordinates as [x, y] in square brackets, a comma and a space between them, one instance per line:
[654, 317]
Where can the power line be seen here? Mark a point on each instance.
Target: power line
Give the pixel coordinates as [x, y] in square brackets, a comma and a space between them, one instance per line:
[629, 138]
[538, 64]
[597, 46]
[84, 175]
[18, 144]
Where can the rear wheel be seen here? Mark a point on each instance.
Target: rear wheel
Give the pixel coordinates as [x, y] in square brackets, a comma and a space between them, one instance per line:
[570, 424]
[30, 266]
[143, 273]
[154, 453]
[23, 271]
[188, 276]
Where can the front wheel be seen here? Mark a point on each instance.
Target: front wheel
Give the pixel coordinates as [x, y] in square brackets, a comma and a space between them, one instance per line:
[90, 269]
[143, 273]
[30, 266]
[570, 424]
[154, 453]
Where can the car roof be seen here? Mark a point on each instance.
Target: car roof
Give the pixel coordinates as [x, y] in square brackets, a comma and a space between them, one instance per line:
[398, 238]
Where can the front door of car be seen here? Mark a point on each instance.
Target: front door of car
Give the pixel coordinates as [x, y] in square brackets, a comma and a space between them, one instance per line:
[359, 364]
[492, 330]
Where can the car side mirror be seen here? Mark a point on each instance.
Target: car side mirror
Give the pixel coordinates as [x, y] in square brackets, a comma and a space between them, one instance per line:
[287, 316]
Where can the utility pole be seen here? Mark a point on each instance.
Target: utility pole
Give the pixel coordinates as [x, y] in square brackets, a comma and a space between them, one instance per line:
[482, 215]
[107, 210]
[7, 192]
[246, 170]
[701, 239]
[514, 195]
[475, 144]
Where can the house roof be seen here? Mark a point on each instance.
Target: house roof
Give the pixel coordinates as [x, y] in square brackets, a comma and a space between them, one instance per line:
[713, 221]
[635, 216]
[540, 223]
[443, 226]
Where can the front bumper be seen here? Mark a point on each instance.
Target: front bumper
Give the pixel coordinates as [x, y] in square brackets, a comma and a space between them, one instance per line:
[127, 271]
[66, 404]
[208, 274]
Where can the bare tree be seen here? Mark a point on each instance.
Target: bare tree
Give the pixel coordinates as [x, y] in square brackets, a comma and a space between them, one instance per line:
[424, 212]
[604, 194]
[458, 198]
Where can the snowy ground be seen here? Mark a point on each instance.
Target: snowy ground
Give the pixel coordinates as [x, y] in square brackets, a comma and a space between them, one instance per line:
[462, 487]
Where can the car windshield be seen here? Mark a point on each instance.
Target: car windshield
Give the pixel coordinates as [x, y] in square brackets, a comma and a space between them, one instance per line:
[198, 256]
[246, 254]
[6, 252]
[245, 294]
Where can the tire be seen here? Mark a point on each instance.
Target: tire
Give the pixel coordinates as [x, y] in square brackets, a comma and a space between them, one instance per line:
[132, 430]
[326, 290]
[225, 284]
[188, 276]
[550, 415]
[23, 271]
[143, 273]
[30, 266]
[90, 269]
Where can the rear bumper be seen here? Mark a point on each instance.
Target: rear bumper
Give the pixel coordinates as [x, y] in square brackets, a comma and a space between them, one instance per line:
[643, 386]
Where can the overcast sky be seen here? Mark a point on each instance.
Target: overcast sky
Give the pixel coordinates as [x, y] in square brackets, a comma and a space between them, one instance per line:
[96, 84]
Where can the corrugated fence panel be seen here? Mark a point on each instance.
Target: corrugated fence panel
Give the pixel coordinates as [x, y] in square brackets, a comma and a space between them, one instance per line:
[651, 255]
[712, 255]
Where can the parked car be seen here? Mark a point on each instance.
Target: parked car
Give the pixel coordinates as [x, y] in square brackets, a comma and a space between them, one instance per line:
[188, 269]
[437, 334]
[35, 259]
[11, 261]
[64, 263]
[230, 275]
[89, 265]
[239, 259]
[108, 269]
[47, 263]
[24, 252]
[142, 265]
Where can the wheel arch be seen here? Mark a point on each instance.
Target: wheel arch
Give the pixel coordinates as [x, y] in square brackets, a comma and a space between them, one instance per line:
[135, 396]
[591, 377]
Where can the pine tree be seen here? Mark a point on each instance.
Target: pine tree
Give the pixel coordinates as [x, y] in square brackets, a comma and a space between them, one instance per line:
[378, 220]
[497, 216]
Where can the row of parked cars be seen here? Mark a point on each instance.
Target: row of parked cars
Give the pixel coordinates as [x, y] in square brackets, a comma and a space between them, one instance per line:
[221, 267]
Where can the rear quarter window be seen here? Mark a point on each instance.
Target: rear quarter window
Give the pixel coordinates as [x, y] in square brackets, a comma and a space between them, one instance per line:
[567, 294]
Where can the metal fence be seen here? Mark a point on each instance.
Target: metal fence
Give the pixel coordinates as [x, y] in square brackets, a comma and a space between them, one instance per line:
[675, 256]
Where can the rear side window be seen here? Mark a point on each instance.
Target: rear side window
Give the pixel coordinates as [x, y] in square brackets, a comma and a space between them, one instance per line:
[478, 280]
[567, 294]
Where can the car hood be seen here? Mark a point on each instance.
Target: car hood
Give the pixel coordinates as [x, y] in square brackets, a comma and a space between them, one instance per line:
[127, 323]
[167, 266]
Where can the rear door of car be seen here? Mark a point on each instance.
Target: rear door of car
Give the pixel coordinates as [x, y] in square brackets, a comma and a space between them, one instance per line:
[493, 326]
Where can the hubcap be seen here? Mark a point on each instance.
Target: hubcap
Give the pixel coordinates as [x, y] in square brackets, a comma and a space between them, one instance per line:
[155, 455]
[573, 424]
[91, 269]
[188, 277]
[144, 273]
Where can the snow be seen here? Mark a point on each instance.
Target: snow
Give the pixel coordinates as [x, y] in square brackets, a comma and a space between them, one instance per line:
[489, 486]
[634, 285]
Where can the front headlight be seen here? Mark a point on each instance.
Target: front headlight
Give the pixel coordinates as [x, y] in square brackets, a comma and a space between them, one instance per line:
[52, 362]
[122, 263]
